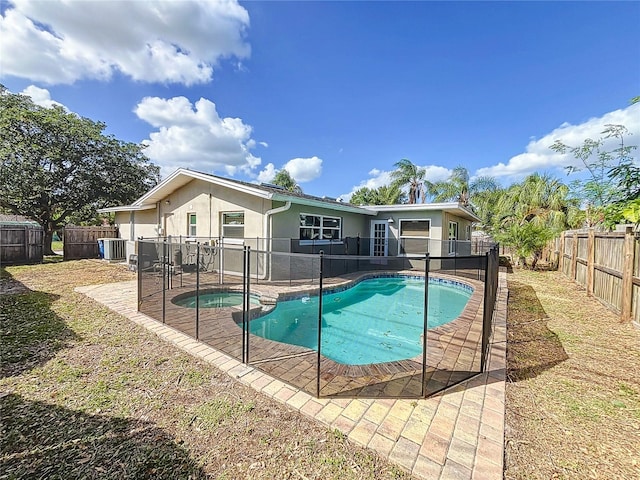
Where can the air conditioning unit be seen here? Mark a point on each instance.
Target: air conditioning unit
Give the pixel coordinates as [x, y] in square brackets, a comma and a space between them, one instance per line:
[115, 248]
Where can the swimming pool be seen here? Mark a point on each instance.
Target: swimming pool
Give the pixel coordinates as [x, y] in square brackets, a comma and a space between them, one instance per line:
[377, 320]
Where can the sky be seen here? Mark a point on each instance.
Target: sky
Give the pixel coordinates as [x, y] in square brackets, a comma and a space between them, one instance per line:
[334, 92]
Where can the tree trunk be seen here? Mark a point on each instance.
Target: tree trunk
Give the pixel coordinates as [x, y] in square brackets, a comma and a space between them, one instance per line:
[523, 261]
[48, 238]
[534, 262]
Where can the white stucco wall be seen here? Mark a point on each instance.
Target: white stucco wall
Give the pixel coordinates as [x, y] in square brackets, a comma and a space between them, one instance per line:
[137, 224]
[208, 202]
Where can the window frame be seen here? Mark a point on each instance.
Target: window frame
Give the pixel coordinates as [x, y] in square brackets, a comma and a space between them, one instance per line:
[320, 227]
[224, 226]
[452, 243]
[401, 237]
[193, 225]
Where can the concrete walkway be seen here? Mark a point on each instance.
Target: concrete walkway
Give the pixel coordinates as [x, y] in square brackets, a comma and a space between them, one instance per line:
[457, 434]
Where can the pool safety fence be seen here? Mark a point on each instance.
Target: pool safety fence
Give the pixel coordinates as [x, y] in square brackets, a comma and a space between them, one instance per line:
[358, 246]
[290, 314]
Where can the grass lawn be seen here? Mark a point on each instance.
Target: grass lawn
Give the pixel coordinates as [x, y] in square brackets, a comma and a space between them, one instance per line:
[85, 393]
[573, 390]
[57, 246]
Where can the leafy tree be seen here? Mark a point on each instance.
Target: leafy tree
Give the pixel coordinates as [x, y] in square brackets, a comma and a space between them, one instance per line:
[383, 195]
[284, 179]
[55, 165]
[627, 176]
[364, 196]
[612, 175]
[408, 174]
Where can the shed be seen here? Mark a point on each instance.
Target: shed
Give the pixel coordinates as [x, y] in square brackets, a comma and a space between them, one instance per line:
[21, 240]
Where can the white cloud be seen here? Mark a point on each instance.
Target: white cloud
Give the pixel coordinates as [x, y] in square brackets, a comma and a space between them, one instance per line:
[301, 170]
[267, 174]
[304, 169]
[539, 157]
[153, 41]
[378, 178]
[195, 136]
[41, 96]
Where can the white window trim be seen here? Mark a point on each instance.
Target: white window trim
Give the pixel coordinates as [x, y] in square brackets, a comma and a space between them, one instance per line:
[189, 224]
[449, 239]
[320, 241]
[400, 236]
[232, 240]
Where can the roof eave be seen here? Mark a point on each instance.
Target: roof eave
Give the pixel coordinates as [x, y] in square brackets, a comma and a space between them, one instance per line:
[165, 188]
[451, 207]
[127, 208]
[322, 204]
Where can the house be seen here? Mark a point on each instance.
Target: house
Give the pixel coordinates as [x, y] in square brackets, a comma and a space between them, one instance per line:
[195, 206]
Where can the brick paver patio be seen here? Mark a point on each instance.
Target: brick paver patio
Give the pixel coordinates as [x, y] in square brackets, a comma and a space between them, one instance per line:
[456, 434]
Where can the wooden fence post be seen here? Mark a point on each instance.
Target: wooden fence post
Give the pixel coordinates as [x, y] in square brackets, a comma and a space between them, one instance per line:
[25, 237]
[591, 261]
[574, 256]
[561, 253]
[627, 275]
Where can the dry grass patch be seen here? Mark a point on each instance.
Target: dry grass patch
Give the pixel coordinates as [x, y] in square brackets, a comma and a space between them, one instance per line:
[573, 390]
[85, 393]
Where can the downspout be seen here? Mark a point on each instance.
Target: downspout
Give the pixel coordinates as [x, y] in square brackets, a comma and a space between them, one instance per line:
[267, 230]
[158, 219]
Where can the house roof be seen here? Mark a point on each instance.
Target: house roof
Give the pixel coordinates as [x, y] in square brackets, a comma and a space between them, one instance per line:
[6, 219]
[450, 207]
[183, 176]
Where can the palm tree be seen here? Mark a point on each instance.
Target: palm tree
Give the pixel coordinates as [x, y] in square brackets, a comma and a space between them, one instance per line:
[458, 188]
[284, 179]
[390, 195]
[540, 199]
[532, 212]
[406, 173]
[383, 195]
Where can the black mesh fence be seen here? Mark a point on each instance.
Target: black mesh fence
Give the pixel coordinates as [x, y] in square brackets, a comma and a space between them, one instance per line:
[329, 324]
[358, 246]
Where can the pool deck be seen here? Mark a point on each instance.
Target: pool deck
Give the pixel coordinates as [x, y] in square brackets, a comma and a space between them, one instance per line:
[456, 434]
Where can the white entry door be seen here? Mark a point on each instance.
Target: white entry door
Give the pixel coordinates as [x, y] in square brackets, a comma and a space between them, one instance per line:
[379, 238]
[453, 238]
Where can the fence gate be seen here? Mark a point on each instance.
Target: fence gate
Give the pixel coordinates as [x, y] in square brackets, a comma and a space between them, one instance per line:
[20, 244]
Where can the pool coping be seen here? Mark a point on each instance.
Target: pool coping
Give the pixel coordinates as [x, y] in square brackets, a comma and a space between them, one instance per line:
[435, 346]
[455, 434]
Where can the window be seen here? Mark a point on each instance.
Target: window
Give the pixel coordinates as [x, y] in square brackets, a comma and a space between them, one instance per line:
[233, 225]
[320, 227]
[414, 237]
[191, 224]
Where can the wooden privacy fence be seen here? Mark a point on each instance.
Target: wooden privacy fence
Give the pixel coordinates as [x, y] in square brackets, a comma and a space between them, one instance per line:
[21, 244]
[82, 242]
[607, 265]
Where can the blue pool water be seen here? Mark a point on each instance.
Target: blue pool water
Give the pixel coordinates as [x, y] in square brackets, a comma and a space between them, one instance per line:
[378, 320]
[214, 300]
